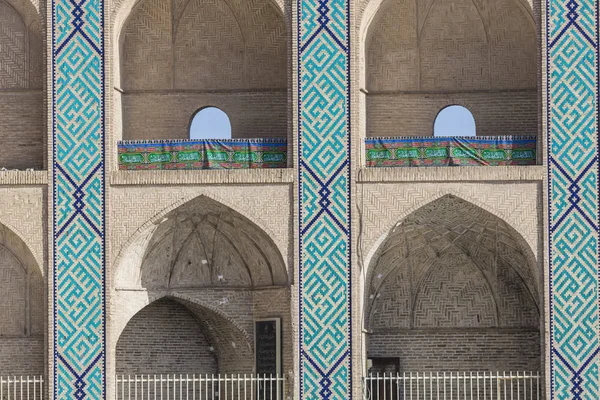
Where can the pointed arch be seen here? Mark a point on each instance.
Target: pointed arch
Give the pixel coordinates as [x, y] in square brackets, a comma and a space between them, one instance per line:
[21, 84]
[197, 333]
[23, 310]
[451, 227]
[153, 256]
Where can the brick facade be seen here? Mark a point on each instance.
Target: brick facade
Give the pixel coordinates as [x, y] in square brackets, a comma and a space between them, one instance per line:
[459, 350]
[156, 83]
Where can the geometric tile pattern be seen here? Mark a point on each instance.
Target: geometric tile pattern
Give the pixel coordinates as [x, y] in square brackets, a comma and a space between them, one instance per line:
[572, 90]
[324, 194]
[78, 199]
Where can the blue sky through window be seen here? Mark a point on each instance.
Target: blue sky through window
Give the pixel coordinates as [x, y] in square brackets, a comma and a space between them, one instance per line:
[454, 121]
[210, 123]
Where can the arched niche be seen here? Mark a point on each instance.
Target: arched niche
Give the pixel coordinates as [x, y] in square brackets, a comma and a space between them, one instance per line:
[22, 116]
[173, 335]
[219, 265]
[22, 308]
[176, 57]
[452, 282]
[418, 57]
[202, 243]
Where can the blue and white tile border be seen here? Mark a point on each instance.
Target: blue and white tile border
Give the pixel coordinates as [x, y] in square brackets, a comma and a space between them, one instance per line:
[78, 200]
[324, 198]
[571, 41]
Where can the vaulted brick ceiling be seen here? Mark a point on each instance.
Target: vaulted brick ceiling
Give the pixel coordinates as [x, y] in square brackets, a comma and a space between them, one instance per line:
[452, 264]
[206, 244]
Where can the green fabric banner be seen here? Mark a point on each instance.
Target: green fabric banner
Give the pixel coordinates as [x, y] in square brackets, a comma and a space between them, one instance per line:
[447, 151]
[202, 154]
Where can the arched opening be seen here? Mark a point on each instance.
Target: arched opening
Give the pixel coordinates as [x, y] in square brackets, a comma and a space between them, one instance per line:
[172, 335]
[22, 309]
[226, 54]
[22, 114]
[454, 121]
[422, 56]
[452, 288]
[210, 123]
[217, 273]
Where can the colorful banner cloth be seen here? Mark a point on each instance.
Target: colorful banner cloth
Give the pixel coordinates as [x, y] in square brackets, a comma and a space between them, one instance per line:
[445, 151]
[202, 154]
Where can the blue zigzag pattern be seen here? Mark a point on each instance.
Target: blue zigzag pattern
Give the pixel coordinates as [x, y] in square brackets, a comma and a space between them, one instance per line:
[572, 88]
[78, 199]
[324, 178]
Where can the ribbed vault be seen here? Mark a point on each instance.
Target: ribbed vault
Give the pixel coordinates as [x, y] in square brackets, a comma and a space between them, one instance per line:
[451, 45]
[206, 244]
[452, 264]
[204, 45]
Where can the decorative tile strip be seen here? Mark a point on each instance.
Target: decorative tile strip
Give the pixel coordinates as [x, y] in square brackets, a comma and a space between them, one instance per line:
[448, 151]
[324, 199]
[78, 349]
[202, 154]
[571, 93]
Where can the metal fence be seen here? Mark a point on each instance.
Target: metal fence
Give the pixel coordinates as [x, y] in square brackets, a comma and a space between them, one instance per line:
[22, 388]
[200, 387]
[453, 386]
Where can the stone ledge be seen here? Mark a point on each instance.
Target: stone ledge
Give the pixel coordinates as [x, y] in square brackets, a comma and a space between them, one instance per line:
[11, 178]
[451, 174]
[209, 177]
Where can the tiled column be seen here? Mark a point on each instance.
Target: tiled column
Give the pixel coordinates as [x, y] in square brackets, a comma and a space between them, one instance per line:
[571, 90]
[323, 54]
[77, 351]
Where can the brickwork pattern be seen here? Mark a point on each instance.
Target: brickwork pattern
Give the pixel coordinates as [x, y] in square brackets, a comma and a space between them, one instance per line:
[495, 113]
[21, 98]
[203, 244]
[459, 350]
[267, 206]
[167, 48]
[22, 308]
[276, 303]
[13, 302]
[427, 55]
[451, 45]
[165, 338]
[22, 356]
[252, 114]
[385, 205]
[452, 264]
[22, 220]
[237, 254]
[225, 316]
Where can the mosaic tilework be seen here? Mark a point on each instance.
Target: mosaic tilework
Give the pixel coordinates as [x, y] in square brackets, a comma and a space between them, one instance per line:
[78, 199]
[572, 71]
[324, 169]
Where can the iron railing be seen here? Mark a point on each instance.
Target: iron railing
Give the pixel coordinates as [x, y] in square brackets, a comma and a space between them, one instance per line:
[200, 387]
[22, 388]
[453, 386]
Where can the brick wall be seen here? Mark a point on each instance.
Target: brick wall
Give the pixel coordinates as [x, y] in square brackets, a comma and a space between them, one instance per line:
[22, 130]
[497, 113]
[22, 356]
[459, 350]
[21, 99]
[164, 338]
[167, 116]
